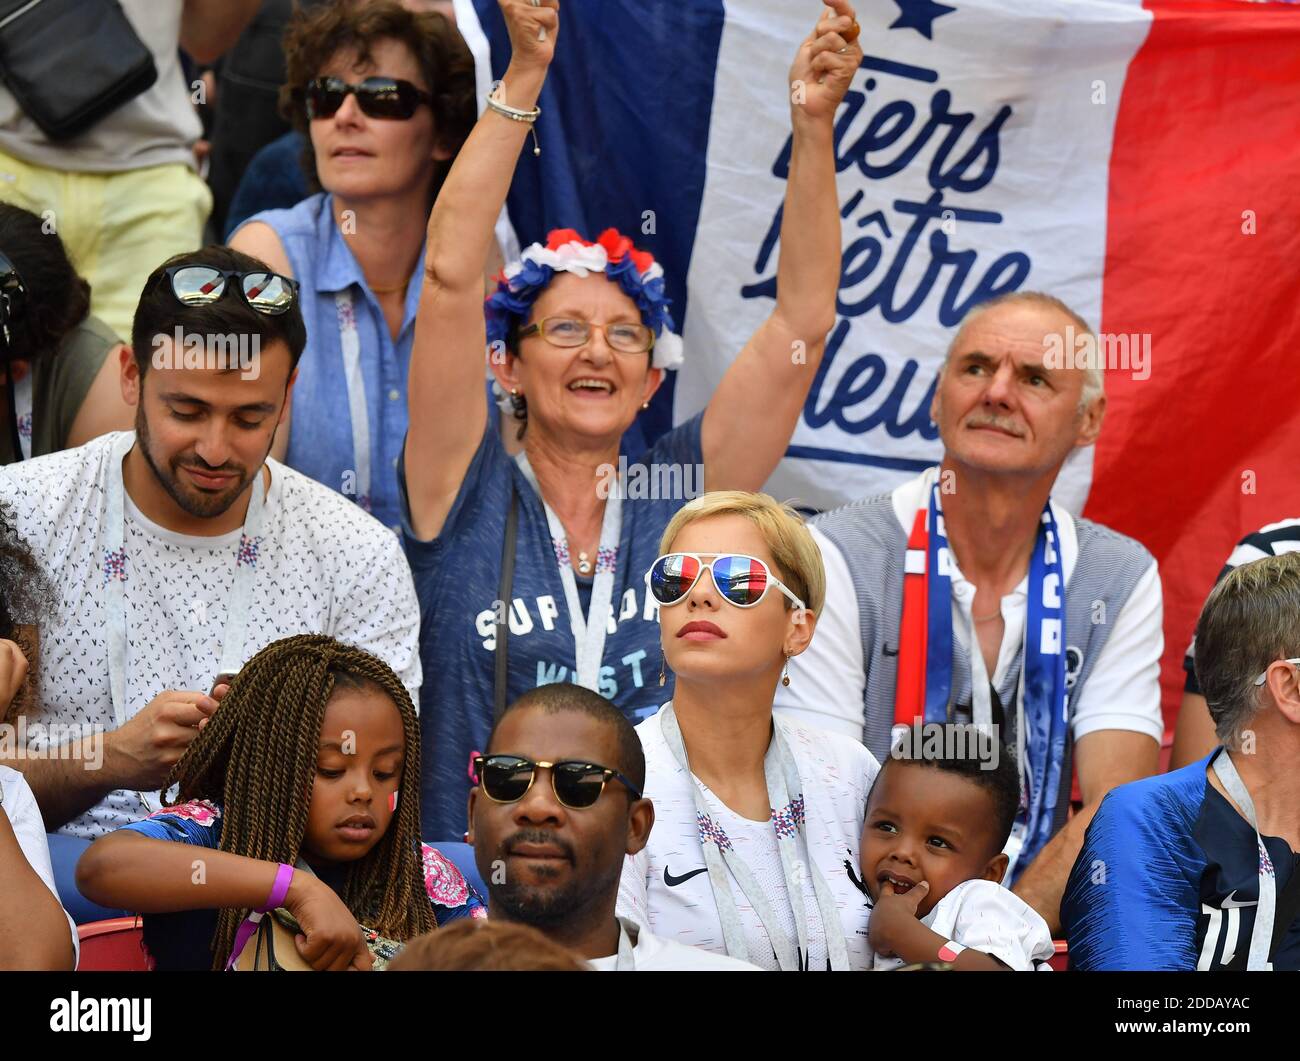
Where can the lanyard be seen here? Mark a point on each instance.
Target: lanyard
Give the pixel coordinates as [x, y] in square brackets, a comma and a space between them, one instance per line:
[356, 384]
[782, 776]
[116, 570]
[1261, 936]
[626, 962]
[924, 686]
[589, 632]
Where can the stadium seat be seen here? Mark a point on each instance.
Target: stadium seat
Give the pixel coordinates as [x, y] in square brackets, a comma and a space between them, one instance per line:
[116, 945]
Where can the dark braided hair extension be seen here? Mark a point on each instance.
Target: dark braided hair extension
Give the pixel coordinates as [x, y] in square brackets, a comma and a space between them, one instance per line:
[257, 756]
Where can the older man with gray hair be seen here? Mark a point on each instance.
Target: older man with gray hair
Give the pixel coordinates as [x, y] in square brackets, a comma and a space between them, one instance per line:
[1197, 868]
[969, 595]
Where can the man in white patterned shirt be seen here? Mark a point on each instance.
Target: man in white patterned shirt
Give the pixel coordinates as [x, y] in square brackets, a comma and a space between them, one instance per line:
[179, 550]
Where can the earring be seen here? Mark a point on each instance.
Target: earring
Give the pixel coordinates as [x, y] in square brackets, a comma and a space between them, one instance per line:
[663, 675]
[645, 405]
[785, 674]
[514, 392]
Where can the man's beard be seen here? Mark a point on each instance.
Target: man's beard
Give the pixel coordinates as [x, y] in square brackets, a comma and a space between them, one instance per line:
[195, 503]
[543, 907]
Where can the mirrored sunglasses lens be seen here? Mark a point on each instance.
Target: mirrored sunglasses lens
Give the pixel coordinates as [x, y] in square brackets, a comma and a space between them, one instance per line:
[672, 577]
[578, 785]
[198, 285]
[268, 292]
[384, 97]
[324, 97]
[506, 780]
[741, 579]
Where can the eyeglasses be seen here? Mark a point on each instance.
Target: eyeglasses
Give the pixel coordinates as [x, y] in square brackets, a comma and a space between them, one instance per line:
[742, 580]
[1295, 661]
[577, 785]
[625, 337]
[201, 285]
[389, 98]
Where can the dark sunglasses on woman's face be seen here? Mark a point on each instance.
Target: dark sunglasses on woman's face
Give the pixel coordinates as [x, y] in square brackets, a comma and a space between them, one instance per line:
[201, 285]
[378, 97]
[577, 785]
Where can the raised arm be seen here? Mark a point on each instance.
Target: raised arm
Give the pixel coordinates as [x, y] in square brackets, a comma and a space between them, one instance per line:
[775, 370]
[446, 385]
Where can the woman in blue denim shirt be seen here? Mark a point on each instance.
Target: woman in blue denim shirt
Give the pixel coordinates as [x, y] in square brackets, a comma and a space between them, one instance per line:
[385, 97]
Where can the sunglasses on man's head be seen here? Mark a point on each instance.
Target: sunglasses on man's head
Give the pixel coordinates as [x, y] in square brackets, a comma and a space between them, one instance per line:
[201, 285]
[388, 98]
[577, 784]
[742, 580]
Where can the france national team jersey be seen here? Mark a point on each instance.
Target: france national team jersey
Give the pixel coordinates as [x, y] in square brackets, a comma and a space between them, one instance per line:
[457, 576]
[1168, 879]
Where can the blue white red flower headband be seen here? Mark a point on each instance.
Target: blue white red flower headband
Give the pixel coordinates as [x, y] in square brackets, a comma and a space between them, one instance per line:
[635, 271]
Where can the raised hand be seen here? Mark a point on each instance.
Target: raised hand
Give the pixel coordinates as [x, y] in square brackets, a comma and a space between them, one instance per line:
[825, 63]
[533, 26]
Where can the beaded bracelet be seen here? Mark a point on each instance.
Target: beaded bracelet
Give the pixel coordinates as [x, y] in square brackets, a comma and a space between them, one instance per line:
[515, 114]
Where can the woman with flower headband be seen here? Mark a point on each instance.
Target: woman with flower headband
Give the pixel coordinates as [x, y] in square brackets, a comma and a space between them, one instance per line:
[530, 570]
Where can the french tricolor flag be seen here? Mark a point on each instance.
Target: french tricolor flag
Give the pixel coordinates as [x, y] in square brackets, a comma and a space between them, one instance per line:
[1136, 159]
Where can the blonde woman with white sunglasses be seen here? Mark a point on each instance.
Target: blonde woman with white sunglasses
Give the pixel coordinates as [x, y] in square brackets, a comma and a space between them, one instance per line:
[755, 845]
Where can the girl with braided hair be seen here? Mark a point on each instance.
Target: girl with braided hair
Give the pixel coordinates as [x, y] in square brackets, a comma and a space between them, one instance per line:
[297, 784]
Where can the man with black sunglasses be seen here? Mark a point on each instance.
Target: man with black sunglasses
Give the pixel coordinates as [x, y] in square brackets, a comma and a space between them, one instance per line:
[556, 806]
[180, 549]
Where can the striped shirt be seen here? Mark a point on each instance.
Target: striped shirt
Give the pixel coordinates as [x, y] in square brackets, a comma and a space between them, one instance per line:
[1275, 539]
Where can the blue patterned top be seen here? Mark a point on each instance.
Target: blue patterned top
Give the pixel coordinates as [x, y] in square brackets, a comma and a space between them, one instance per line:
[183, 940]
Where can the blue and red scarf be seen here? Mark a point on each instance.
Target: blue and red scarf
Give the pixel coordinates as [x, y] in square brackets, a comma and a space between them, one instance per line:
[925, 660]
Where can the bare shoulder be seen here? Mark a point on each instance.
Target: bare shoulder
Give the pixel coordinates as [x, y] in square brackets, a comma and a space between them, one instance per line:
[260, 240]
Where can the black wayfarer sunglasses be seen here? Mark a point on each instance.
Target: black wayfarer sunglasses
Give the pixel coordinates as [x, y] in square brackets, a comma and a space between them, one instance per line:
[388, 98]
[577, 785]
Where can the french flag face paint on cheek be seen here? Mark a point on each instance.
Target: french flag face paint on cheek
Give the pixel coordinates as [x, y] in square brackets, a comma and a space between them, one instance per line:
[392, 801]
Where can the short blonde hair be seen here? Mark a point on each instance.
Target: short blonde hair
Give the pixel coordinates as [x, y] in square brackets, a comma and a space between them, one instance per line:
[786, 534]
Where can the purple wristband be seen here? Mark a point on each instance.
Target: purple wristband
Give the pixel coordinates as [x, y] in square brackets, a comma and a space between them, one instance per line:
[279, 890]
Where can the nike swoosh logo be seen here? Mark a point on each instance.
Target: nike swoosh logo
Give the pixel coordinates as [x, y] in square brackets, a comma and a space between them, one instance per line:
[1231, 902]
[884, 650]
[672, 881]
